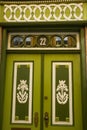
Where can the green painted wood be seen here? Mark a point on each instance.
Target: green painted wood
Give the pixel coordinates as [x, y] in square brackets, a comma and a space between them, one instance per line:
[1, 13]
[3, 21]
[62, 74]
[42, 90]
[2, 76]
[76, 90]
[44, 61]
[22, 102]
[8, 90]
[83, 77]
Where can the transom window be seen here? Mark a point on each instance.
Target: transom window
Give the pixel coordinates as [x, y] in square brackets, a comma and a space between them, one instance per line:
[44, 41]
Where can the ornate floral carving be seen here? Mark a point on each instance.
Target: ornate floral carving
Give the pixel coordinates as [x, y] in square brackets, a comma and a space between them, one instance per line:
[62, 95]
[22, 95]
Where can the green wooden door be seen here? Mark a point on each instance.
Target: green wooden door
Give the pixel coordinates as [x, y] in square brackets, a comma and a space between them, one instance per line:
[22, 92]
[42, 91]
[62, 86]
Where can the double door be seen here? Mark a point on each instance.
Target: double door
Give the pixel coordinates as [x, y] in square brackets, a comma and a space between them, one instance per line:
[42, 91]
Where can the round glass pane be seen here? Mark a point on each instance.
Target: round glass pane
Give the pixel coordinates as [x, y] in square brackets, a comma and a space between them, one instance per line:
[17, 41]
[69, 41]
[57, 41]
[28, 41]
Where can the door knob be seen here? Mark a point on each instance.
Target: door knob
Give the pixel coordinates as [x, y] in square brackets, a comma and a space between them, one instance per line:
[46, 118]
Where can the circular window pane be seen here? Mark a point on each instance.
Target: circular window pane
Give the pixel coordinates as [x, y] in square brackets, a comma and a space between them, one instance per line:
[69, 41]
[17, 41]
[56, 41]
[28, 41]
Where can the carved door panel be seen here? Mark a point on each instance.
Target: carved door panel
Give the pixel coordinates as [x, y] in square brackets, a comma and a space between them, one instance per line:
[42, 91]
[22, 92]
[62, 87]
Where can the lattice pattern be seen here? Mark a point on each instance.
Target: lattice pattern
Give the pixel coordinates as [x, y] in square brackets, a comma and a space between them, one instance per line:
[43, 12]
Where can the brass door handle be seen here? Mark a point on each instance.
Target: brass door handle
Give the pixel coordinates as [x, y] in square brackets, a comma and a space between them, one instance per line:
[36, 118]
[46, 118]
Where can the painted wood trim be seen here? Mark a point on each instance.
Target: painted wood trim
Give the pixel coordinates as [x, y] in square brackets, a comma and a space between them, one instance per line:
[83, 78]
[50, 25]
[22, 92]
[38, 1]
[86, 49]
[42, 90]
[2, 75]
[0, 42]
[43, 45]
[20, 128]
[62, 102]
[86, 73]
[18, 13]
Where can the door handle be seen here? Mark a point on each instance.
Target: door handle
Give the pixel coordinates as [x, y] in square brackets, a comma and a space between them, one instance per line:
[36, 118]
[46, 118]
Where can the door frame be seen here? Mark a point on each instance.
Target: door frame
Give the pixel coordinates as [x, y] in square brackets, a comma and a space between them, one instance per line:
[46, 27]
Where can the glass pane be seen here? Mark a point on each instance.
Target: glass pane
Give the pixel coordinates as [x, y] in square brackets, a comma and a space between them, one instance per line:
[56, 41]
[28, 41]
[69, 41]
[17, 41]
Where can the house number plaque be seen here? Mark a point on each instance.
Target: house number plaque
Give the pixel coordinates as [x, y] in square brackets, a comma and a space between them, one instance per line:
[42, 41]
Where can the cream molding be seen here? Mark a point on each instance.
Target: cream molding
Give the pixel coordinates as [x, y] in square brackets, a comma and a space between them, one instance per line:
[36, 1]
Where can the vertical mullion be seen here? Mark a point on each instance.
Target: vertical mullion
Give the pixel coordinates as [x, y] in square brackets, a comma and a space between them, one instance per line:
[42, 92]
